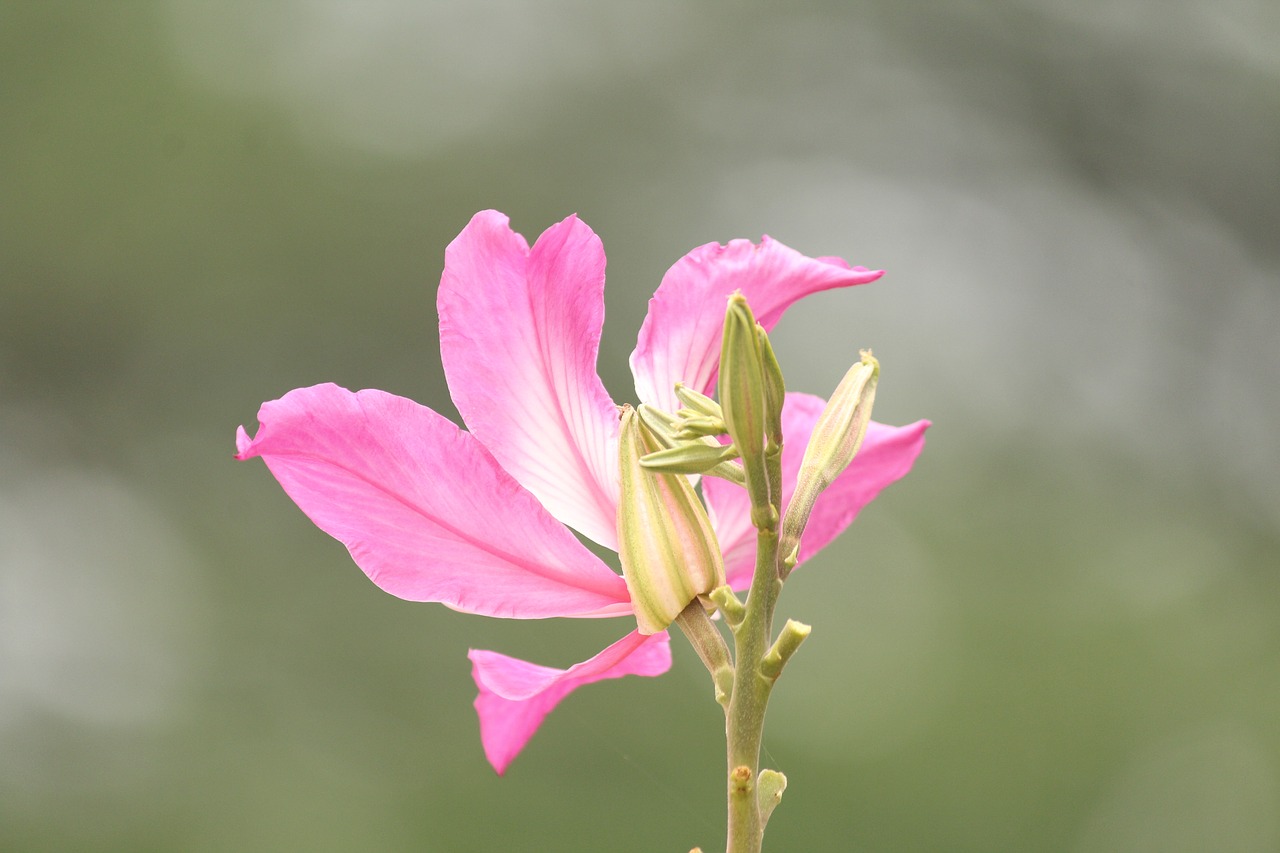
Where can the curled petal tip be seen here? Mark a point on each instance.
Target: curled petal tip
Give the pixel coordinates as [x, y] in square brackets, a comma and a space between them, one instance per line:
[243, 444]
[515, 696]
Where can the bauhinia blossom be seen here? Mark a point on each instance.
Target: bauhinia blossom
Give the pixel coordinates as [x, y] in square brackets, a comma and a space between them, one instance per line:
[480, 520]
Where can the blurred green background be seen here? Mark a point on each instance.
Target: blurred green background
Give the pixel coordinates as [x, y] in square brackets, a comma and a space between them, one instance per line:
[1060, 633]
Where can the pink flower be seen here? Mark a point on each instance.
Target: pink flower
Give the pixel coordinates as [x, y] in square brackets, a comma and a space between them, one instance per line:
[477, 520]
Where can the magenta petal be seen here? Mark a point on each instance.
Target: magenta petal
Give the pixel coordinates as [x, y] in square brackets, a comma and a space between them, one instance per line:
[519, 334]
[887, 454]
[680, 338]
[516, 695]
[424, 509]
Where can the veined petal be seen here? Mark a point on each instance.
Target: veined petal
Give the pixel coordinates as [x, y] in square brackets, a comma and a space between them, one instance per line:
[519, 335]
[887, 454]
[516, 695]
[424, 509]
[680, 338]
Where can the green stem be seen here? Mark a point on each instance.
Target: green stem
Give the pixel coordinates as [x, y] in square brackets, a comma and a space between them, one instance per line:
[751, 686]
[709, 643]
[745, 714]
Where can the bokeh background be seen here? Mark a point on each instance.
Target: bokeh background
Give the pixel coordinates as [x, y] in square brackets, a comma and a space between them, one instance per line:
[1060, 633]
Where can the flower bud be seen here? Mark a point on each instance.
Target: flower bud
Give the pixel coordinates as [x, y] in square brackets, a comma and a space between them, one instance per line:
[665, 428]
[774, 386]
[743, 397]
[836, 437]
[661, 425]
[699, 426]
[669, 552]
[699, 403]
[691, 458]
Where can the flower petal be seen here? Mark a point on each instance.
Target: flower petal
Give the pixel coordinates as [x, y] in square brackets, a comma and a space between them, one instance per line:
[516, 695]
[887, 454]
[519, 335]
[680, 338]
[424, 509]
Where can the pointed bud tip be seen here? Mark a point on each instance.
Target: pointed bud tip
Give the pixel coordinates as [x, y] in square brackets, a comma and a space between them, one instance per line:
[667, 547]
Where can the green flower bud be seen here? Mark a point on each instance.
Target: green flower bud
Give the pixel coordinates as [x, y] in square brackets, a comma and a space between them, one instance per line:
[700, 403]
[837, 435]
[661, 425]
[774, 386]
[665, 428]
[699, 426]
[743, 398]
[669, 552]
[691, 458]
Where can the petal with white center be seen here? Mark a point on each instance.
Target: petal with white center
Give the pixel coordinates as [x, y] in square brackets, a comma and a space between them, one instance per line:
[519, 335]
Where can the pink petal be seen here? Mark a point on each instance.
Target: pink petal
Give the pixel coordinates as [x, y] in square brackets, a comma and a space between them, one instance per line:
[515, 695]
[519, 334]
[424, 509]
[887, 454]
[680, 338]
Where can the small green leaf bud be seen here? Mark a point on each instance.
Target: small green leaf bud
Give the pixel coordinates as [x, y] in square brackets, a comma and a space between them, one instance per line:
[769, 792]
[789, 639]
[727, 603]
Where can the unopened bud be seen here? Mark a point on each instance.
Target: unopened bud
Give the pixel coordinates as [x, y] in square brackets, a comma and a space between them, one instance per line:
[669, 551]
[836, 437]
[691, 458]
[698, 402]
[699, 426]
[774, 386]
[662, 425]
[665, 429]
[743, 395]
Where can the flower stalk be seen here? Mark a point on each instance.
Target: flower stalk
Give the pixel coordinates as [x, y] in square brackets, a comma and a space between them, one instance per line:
[751, 394]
